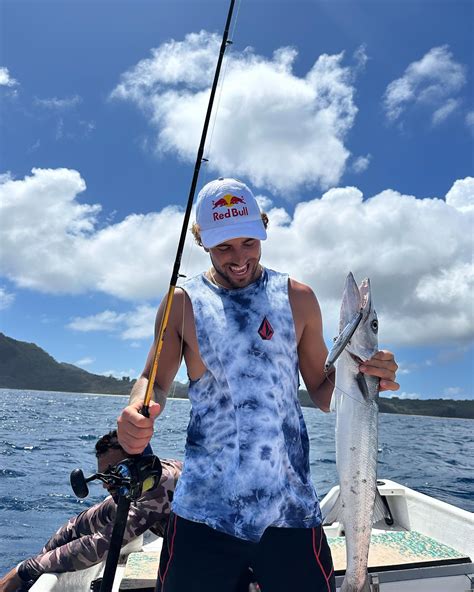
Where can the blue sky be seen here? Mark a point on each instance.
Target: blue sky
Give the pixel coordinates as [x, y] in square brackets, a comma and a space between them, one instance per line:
[352, 121]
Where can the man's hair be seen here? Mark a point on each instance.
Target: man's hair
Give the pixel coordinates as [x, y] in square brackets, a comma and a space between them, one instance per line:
[107, 442]
[197, 231]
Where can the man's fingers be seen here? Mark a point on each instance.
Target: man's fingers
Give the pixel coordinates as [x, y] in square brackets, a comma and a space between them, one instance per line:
[135, 430]
[383, 359]
[388, 385]
[154, 409]
[382, 365]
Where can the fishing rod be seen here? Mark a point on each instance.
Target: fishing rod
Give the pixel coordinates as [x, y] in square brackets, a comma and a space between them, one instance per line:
[175, 274]
[141, 473]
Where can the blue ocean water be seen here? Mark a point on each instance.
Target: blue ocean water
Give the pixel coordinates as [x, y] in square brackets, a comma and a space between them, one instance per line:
[43, 436]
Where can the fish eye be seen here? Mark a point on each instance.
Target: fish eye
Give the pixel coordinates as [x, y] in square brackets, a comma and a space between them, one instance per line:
[374, 325]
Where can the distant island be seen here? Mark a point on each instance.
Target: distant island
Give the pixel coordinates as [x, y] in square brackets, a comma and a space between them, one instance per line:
[26, 366]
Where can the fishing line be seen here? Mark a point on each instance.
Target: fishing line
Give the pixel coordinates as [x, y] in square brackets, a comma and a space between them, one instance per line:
[190, 251]
[158, 345]
[219, 94]
[181, 343]
[338, 388]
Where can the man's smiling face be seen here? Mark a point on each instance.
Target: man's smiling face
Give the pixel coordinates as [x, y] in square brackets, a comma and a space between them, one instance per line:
[236, 262]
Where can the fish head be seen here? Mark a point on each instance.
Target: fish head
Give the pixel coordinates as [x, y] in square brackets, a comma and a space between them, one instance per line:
[358, 299]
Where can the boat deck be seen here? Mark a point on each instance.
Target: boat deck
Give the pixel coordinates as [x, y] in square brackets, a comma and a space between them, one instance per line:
[395, 549]
[426, 546]
[389, 550]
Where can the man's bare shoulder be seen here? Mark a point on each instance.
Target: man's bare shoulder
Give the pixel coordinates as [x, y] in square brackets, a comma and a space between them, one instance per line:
[301, 293]
[180, 300]
[299, 287]
[181, 311]
[180, 296]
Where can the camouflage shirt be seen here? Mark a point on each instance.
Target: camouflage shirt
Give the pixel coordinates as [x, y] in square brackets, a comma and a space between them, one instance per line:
[84, 540]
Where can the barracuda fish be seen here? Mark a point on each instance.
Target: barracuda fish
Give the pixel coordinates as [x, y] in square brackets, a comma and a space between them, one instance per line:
[356, 402]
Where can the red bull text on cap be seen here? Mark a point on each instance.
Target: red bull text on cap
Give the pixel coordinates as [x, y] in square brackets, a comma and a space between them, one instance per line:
[227, 209]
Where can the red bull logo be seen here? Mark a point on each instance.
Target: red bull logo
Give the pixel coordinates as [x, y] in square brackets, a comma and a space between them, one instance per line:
[229, 202]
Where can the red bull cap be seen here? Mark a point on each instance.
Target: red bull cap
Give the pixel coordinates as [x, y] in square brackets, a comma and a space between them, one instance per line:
[227, 209]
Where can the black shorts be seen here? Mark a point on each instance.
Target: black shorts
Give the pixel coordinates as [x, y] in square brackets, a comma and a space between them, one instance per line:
[197, 558]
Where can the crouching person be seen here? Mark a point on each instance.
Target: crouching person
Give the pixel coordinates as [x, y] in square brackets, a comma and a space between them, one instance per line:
[84, 541]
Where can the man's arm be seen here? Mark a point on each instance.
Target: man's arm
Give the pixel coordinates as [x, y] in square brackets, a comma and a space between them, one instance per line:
[94, 529]
[312, 350]
[85, 540]
[74, 528]
[135, 430]
[80, 525]
[71, 548]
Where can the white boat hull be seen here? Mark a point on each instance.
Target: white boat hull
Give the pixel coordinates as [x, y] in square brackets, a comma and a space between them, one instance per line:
[419, 520]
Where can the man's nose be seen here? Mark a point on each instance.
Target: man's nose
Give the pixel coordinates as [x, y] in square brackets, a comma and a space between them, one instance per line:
[240, 258]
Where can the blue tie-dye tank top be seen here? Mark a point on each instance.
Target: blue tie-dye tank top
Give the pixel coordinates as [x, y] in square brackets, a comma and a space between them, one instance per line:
[247, 450]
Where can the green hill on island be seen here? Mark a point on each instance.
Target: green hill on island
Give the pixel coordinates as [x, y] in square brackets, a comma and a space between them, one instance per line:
[26, 366]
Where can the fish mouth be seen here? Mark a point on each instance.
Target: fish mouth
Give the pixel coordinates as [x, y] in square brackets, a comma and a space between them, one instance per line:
[357, 359]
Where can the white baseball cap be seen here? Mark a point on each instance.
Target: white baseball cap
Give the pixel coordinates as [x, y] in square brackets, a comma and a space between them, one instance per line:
[227, 209]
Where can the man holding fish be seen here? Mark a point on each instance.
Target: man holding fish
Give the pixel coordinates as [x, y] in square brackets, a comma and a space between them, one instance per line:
[245, 497]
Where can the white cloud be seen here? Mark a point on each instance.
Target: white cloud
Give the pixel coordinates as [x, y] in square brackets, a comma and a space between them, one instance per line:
[65, 121]
[136, 324]
[119, 374]
[6, 79]
[44, 229]
[461, 195]
[50, 242]
[417, 253]
[445, 111]
[432, 82]
[361, 163]
[6, 298]
[360, 57]
[255, 134]
[403, 395]
[107, 320]
[59, 104]
[84, 362]
[470, 121]
[453, 392]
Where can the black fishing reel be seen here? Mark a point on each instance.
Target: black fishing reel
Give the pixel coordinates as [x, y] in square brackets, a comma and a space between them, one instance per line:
[131, 477]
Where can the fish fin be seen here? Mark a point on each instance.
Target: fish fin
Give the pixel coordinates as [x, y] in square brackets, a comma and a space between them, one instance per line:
[332, 512]
[364, 389]
[380, 510]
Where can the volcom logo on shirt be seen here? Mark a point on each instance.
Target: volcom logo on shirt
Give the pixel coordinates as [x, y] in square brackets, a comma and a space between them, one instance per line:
[266, 330]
